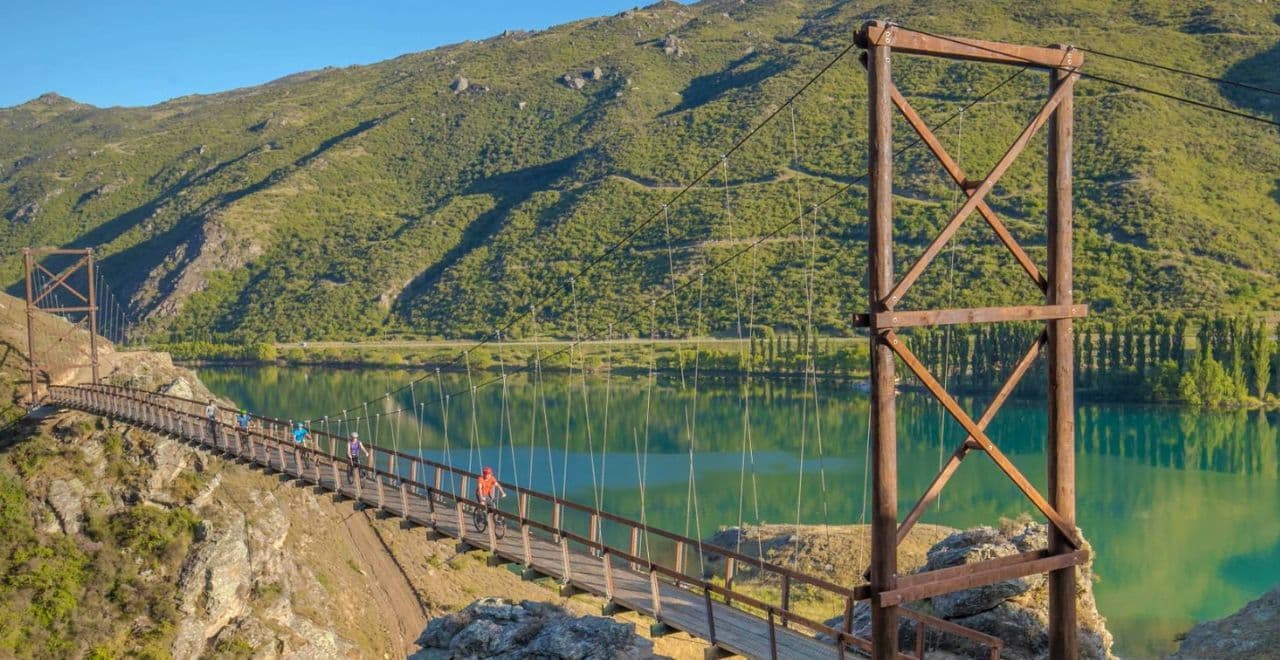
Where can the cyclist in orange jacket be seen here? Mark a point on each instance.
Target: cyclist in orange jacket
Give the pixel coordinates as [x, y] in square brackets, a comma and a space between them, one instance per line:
[486, 485]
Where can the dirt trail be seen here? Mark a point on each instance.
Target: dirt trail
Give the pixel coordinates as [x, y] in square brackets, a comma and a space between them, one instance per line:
[400, 612]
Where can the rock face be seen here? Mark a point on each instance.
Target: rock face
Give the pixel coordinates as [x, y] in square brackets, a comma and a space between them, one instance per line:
[66, 499]
[1253, 632]
[1016, 611]
[460, 85]
[499, 628]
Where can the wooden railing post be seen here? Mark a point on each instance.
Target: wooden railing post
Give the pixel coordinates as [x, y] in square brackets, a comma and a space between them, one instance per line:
[773, 637]
[607, 568]
[711, 616]
[655, 596]
[564, 560]
[679, 558]
[524, 532]
[786, 597]
[634, 546]
[920, 639]
[730, 567]
[556, 509]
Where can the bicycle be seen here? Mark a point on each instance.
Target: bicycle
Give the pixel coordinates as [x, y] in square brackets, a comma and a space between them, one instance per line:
[480, 518]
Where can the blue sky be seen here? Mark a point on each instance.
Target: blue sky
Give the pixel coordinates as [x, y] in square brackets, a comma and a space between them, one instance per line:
[138, 52]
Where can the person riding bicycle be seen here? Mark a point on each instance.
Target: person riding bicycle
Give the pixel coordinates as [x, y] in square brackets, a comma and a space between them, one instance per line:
[486, 485]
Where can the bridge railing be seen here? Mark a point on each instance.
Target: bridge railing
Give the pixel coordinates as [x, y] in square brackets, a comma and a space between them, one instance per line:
[270, 439]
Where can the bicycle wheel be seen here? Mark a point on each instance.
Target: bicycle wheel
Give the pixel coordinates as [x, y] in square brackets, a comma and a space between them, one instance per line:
[479, 520]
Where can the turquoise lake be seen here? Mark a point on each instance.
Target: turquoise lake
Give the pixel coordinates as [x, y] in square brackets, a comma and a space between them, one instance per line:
[1180, 505]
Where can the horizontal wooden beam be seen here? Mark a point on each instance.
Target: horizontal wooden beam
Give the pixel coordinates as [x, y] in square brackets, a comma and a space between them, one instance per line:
[902, 40]
[958, 578]
[54, 310]
[895, 319]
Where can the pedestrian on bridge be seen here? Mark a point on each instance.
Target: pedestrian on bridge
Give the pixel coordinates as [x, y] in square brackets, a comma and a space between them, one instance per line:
[301, 436]
[354, 451]
[211, 412]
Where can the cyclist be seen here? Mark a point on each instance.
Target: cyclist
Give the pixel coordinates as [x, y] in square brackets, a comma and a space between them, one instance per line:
[486, 485]
[354, 449]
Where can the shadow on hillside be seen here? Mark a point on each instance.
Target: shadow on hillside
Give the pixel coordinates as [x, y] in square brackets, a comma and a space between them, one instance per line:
[1260, 70]
[509, 189]
[742, 72]
[178, 246]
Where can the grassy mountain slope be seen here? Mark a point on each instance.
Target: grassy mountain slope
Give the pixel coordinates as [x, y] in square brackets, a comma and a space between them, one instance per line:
[381, 199]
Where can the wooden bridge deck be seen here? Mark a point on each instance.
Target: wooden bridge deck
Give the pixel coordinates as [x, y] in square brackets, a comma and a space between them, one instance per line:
[674, 598]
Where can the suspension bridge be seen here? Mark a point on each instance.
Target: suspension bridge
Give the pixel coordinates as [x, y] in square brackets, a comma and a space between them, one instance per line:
[639, 567]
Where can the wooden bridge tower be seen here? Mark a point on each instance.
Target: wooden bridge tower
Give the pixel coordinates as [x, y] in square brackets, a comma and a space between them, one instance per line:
[85, 302]
[1065, 551]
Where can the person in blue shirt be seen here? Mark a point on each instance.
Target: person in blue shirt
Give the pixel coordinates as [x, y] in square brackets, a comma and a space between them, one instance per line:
[301, 437]
[300, 434]
[242, 425]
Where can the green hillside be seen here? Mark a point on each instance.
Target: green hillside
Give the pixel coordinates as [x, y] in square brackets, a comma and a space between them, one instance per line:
[388, 199]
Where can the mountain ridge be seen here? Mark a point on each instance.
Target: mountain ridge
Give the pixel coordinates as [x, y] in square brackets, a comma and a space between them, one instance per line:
[388, 199]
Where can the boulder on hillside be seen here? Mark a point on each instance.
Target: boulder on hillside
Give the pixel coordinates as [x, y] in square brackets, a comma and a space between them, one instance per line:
[672, 45]
[573, 82]
[1252, 632]
[1016, 610]
[460, 85]
[499, 628]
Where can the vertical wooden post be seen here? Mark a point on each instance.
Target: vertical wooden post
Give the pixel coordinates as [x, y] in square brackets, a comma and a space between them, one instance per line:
[524, 531]
[28, 264]
[565, 562]
[786, 598]
[730, 567]
[1061, 442]
[655, 596]
[680, 557]
[93, 316]
[773, 637]
[607, 567]
[711, 614]
[634, 547]
[884, 452]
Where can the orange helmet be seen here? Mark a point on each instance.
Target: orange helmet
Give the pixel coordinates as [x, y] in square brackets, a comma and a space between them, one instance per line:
[487, 471]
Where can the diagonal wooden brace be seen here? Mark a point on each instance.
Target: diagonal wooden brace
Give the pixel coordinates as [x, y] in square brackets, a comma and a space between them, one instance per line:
[1014, 150]
[953, 408]
[970, 188]
[931, 494]
[60, 280]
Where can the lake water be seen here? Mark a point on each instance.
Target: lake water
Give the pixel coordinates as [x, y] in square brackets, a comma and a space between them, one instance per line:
[1180, 505]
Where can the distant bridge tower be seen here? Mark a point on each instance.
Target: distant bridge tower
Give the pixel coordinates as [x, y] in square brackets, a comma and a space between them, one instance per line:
[66, 280]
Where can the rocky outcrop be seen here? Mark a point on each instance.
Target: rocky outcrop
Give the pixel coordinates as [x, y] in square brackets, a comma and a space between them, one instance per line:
[66, 498]
[1016, 610]
[499, 628]
[1252, 632]
[573, 81]
[673, 46]
[460, 85]
[214, 584]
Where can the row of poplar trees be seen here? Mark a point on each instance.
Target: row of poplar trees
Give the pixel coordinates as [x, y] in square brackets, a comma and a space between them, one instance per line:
[1214, 360]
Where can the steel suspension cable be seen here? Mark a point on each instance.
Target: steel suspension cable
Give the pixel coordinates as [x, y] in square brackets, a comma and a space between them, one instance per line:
[552, 291]
[1185, 72]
